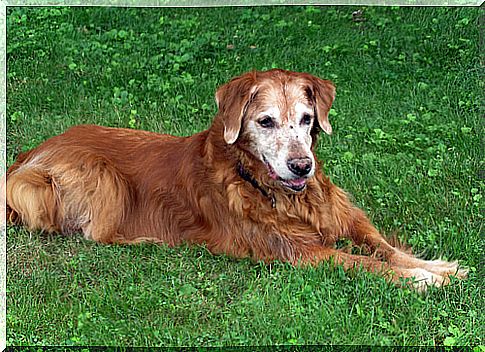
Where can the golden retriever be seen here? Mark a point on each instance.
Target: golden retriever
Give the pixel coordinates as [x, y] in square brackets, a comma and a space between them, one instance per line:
[249, 186]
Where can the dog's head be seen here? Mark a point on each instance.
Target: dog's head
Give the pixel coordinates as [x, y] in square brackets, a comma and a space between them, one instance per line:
[274, 116]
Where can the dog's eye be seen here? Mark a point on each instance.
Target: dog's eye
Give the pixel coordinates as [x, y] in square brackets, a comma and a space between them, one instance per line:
[266, 122]
[306, 119]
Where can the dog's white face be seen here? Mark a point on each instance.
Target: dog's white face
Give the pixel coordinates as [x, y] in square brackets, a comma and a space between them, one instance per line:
[271, 115]
[278, 125]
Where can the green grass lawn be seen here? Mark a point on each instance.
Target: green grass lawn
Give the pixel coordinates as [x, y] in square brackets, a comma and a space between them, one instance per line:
[406, 144]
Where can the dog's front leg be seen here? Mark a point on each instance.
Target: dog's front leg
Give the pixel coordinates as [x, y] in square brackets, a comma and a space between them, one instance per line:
[361, 231]
[421, 278]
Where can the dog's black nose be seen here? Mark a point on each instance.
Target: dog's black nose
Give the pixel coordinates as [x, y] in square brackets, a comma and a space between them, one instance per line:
[300, 166]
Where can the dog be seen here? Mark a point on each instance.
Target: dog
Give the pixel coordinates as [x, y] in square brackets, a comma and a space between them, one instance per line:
[249, 186]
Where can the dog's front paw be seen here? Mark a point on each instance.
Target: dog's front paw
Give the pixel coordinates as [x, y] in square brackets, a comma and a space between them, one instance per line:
[422, 278]
[445, 268]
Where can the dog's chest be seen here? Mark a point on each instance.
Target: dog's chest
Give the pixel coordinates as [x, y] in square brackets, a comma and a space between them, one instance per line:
[291, 214]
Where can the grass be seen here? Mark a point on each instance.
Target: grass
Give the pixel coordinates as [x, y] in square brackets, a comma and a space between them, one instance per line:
[405, 144]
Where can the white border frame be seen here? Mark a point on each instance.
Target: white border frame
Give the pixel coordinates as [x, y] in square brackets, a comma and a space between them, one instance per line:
[133, 3]
[3, 161]
[219, 3]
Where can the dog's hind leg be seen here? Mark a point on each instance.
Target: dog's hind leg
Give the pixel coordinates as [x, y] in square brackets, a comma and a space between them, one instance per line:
[87, 195]
[31, 198]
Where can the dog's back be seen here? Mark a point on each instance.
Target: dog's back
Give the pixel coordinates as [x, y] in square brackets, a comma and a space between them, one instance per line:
[102, 181]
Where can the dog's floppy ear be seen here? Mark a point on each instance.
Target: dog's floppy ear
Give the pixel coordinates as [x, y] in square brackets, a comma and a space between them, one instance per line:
[322, 93]
[233, 99]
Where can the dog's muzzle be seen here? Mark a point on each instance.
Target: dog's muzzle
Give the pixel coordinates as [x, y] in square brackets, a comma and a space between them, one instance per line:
[300, 167]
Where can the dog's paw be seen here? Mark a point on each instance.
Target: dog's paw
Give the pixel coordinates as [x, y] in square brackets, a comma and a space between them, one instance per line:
[422, 279]
[462, 273]
[445, 268]
[438, 267]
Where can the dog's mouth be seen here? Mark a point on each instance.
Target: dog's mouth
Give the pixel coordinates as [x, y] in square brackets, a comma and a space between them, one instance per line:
[295, 184]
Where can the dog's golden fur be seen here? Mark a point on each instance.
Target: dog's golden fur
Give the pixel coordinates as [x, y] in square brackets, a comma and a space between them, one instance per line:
[126, 186]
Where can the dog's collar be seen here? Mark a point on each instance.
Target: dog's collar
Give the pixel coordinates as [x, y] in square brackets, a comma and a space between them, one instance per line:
[246, 176]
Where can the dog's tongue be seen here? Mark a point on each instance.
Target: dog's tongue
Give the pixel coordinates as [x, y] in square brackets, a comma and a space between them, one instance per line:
[297, 182]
